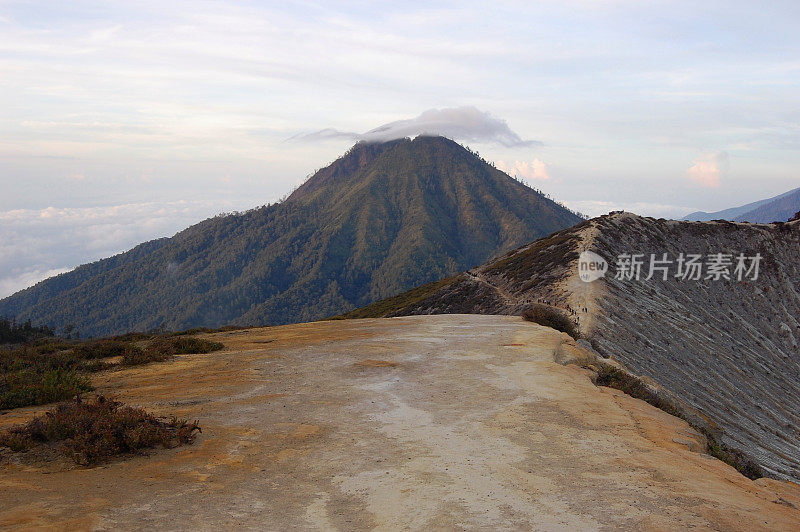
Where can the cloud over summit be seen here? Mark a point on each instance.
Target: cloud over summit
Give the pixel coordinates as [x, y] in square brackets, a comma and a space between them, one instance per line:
[467, 124]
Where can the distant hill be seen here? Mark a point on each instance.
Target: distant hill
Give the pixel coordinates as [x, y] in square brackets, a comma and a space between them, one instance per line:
[777, 209]
[780, 209]
[730, 349]
[381, 219]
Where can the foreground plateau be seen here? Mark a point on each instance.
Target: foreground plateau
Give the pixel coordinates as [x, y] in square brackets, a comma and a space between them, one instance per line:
[418, 422]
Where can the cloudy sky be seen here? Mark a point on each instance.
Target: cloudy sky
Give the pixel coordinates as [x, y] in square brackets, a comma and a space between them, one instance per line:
[126, 121]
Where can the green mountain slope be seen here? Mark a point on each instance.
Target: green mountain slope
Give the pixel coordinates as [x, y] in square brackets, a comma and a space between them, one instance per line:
[381, 219]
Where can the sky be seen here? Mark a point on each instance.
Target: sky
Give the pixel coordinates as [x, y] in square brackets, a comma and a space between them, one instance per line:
[127, 121]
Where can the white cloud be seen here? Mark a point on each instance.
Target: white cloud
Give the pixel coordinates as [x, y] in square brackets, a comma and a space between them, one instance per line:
[460, 123]
[708, 168]
[10, 285]
[533, 170]
[39, 243]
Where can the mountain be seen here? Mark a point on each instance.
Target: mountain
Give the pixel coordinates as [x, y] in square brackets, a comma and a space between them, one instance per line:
[777, 209]
[780, 209]
[381, 219]
[729, 349]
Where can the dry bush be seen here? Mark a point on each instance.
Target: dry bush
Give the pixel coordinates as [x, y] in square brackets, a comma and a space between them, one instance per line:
[553, 318]
[162, 348]
[96, 431]
[104, 348]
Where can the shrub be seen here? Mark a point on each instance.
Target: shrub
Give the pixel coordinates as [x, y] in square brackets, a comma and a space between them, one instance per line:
[194, 330]
[101, 349]
[16, 440]
[50, 370]
[161, 349]
[136, 356]
[26, 387]
[95, 431]
[550, 317]
[185, 345]
[132, 337]
[733, 457]
[631, 385]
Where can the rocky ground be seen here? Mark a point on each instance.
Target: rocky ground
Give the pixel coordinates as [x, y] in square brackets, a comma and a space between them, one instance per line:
[730, 349]
[419, 422]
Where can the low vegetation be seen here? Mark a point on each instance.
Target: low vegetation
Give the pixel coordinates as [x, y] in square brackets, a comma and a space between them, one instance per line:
[391, 305]
[23, 388]
[42, 372]
[551, 317]
[631, 385]
[187, 345]
[95, 431]
[48, 370]
[161, 349]
[540, 263]
[733, 457]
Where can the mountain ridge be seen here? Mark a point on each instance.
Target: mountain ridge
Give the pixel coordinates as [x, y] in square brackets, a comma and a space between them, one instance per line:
[381, 219]
[774, 209]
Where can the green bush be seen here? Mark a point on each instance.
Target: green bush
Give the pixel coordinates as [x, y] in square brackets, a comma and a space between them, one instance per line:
[26, 387]
[50, 370]
[631, 385]
[733, 457]
[635, 387]
[194, 330]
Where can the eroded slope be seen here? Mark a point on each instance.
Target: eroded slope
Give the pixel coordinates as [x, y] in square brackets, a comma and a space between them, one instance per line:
[727, 348]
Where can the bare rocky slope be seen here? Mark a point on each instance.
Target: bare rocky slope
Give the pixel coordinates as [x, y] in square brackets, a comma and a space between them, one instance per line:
[728, 349]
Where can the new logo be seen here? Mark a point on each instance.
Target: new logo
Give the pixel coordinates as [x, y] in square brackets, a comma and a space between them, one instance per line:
[591, 266]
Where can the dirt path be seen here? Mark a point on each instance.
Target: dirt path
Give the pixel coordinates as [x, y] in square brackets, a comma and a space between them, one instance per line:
[419, 422]
[508, 299]
[582, 294]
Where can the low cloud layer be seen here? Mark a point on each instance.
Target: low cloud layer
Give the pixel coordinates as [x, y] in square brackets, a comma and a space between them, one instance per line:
[467, 124]
[533, 170]
[38, 243]
[708, 168]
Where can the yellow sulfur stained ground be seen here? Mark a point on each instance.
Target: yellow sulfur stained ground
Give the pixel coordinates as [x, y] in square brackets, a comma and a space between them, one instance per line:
[420, 422]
